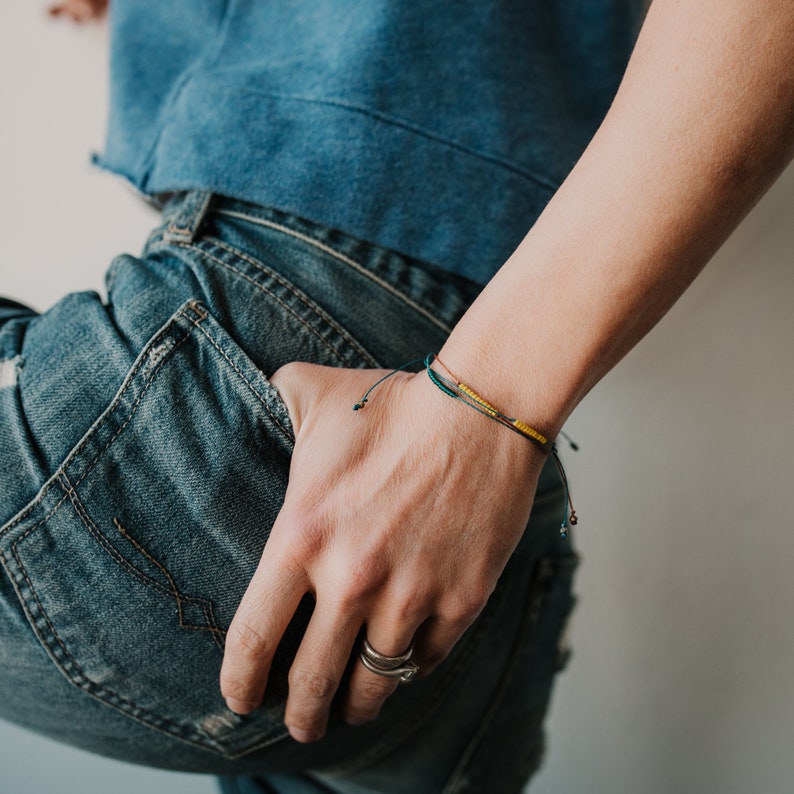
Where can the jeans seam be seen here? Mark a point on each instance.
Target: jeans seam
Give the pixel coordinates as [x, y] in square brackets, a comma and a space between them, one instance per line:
[248, 383]
[545, 572]
[29, 509]
[82, 681]
[342, 258]
[204, 604]
[340, 356]
[304, 299]
[48, 486]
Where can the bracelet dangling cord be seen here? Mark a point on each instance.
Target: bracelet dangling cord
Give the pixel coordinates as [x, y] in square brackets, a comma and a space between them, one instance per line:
[460, 391]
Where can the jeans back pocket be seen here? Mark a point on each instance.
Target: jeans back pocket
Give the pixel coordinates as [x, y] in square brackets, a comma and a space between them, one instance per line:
[134, 555]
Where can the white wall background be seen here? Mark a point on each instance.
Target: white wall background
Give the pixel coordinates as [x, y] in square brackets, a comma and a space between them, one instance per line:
[684, 639]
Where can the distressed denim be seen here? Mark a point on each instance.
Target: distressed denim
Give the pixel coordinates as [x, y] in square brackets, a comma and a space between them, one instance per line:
[145, 456]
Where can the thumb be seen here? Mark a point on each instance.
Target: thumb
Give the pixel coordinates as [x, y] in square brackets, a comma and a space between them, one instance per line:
[299, 384]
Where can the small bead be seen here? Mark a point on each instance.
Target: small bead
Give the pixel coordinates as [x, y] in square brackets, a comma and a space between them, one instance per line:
[476, 397]
[530, 431]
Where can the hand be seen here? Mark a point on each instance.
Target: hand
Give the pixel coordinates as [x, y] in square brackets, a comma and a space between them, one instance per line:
[79, 10]
[399, 517]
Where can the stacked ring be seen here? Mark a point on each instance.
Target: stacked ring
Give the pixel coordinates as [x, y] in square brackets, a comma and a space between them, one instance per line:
[390, 666]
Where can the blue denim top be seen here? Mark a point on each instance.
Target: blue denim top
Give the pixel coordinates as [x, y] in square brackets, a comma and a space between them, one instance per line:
[438, 128]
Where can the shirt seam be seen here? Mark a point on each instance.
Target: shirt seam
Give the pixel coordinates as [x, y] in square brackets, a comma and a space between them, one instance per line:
[396, 121]
[541, 180]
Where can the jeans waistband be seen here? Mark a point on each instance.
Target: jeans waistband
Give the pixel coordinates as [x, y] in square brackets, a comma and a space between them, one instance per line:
[441, 293]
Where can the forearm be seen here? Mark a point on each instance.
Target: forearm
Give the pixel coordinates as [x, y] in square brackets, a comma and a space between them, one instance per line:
[701, 126]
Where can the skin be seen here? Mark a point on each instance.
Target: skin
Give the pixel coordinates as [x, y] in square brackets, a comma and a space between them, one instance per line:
[702, 125]
[401, 517]
[79, 10]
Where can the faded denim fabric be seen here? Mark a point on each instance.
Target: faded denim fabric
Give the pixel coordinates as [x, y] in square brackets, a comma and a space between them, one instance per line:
[144, 459]
[438, 128]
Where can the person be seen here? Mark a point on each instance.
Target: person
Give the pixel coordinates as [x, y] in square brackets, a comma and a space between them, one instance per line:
[146, 470]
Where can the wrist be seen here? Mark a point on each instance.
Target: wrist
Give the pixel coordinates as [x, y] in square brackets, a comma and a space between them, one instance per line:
[484, 433]
[528, 386]
[519, 347]
[477, 435]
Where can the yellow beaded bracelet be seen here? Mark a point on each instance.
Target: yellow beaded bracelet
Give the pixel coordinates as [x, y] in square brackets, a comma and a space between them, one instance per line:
[457, 389]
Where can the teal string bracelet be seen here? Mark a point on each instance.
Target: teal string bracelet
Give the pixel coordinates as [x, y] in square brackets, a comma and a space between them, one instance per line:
[458, 390]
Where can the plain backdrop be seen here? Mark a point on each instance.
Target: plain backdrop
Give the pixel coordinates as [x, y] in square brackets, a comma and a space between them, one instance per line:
[683, 639]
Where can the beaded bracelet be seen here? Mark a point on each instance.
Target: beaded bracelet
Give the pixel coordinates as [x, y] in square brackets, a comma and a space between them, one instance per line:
[454, 387]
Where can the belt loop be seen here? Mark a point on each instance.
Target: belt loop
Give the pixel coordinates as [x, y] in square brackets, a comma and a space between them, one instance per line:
[185, 224]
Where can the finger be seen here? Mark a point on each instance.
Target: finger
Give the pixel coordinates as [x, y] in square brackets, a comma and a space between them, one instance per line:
[435, 641]
[78, 10]
[318, 668]
[258, 625]
[368, 690]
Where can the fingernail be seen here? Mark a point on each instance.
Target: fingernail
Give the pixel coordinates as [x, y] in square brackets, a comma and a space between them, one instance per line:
[240, 706]
[356, 721]
[303, 736]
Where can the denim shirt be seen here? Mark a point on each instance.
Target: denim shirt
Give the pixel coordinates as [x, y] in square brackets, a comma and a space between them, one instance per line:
[437, 128]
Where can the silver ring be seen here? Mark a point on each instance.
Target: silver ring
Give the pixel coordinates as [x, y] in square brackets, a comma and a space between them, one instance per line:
[390, 666]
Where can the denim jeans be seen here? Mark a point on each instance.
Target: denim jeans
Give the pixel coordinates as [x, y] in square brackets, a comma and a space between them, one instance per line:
[144, 459]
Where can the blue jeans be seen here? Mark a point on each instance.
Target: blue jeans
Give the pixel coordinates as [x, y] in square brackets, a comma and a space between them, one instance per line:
[144, 459]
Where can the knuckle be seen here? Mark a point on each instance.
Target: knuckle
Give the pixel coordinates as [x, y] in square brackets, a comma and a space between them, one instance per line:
[364, 577]
[413, 612]
[243, 639]
[463, 609]
[314, 685]
[310, 533]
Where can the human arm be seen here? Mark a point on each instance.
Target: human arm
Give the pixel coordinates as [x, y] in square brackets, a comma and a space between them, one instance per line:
[703, 123]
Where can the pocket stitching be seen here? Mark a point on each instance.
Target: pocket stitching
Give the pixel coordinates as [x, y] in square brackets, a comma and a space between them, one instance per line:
[204, 604]
[89, 433]
[80, 679]
[349, 340]
[303, 298]
[248, 383]
[107, 546]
